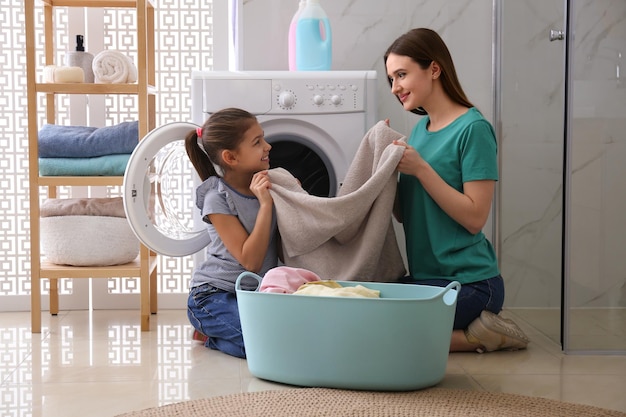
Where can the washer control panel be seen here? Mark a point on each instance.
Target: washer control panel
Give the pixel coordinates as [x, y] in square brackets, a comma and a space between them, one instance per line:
[318, 96]
[284, 92]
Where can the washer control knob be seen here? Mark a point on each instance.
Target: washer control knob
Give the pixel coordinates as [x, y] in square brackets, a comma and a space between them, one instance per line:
[287, 99]
[336, 100]
[317, 99]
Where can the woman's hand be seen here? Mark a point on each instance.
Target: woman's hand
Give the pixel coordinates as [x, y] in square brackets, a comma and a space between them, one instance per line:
[411, 160]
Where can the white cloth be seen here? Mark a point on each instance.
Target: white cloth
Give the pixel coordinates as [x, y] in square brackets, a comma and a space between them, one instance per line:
[349, 237]
[113, 67]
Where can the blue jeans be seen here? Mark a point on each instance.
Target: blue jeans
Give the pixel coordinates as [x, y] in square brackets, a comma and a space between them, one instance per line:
[472, 299]
[214, 313]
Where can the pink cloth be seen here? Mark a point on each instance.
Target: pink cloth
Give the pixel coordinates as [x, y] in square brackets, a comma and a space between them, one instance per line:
[286, 280]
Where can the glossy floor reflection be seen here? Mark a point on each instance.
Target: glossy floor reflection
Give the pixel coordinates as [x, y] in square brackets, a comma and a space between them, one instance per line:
[100, 364]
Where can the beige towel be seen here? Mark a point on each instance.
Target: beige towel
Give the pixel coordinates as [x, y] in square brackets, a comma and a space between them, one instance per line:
[108, 207]
[349, 237]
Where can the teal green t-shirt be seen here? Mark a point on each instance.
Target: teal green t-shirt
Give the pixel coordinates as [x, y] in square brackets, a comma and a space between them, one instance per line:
[437, 246]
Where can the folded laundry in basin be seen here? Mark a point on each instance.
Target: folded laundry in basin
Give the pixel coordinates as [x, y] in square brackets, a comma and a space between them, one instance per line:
[334, 289]
[98, 166]
[57, 141]
[286, 280]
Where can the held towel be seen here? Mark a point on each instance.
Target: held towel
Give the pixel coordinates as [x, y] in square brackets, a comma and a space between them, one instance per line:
[349, 237]
[56, 141]
[113, 67]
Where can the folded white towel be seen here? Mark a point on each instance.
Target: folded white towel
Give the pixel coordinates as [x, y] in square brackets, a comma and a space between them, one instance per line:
[55, 74]
[113, 67]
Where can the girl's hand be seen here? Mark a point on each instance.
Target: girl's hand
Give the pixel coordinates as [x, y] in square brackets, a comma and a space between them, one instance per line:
[411, 160]
[260, 187]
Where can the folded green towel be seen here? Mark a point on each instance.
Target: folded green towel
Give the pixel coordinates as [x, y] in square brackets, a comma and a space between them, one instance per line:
[107, 166]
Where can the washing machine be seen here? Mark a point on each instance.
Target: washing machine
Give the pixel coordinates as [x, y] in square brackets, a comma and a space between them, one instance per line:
[315, 122]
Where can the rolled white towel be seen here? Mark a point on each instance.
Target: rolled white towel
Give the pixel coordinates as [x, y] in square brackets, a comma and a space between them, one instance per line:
[113, 67]
[55, 74]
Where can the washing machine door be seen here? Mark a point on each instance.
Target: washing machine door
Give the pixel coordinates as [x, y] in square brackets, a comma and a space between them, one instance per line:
[158, 193]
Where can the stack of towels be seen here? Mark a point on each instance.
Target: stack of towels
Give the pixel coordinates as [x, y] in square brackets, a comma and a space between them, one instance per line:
[86, 151]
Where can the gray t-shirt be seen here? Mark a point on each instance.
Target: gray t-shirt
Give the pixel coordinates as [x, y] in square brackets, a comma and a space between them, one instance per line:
[221, 269]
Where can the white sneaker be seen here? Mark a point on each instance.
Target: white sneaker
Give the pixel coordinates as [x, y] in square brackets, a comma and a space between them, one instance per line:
[494, 332]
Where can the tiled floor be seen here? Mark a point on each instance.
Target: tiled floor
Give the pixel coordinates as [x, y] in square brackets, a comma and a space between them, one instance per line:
[99, 364]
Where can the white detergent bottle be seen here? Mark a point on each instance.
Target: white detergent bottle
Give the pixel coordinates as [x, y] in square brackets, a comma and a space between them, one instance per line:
[292, 36]
[313, 39]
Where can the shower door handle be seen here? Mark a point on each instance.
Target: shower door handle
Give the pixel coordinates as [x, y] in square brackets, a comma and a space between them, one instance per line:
[556, 35]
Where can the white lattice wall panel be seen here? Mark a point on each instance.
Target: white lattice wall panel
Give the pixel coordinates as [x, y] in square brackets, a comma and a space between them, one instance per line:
[183, 43]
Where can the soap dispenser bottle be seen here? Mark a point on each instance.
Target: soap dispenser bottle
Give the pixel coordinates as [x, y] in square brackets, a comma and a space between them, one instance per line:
[80, 58]
[313, 38]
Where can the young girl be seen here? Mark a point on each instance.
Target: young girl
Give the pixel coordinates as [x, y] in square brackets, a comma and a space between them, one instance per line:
[239, 214]
[447, 179]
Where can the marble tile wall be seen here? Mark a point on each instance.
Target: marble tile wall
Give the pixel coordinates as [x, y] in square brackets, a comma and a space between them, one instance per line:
[363, 29]
[532, 120]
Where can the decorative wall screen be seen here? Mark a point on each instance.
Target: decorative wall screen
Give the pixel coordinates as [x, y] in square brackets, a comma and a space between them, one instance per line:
[183, 43]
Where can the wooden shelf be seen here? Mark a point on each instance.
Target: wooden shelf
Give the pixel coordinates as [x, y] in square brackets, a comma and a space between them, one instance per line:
[80, 181]
[145, 266]
[90, 88]
[132, 269]
[95, 3]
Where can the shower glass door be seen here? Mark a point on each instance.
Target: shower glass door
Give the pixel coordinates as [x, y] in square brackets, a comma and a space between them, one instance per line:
[595, 285]
[530, 93]
[561, 120]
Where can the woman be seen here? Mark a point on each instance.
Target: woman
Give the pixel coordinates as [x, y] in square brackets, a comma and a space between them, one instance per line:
[447, 180]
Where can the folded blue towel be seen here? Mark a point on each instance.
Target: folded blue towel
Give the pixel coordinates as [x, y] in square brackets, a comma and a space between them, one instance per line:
[57, 141]
[107, 165]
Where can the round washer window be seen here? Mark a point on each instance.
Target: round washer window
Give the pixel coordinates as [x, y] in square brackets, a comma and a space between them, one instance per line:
[304, 164]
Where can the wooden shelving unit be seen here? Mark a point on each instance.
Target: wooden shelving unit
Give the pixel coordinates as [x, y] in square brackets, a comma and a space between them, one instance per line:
[144, 266]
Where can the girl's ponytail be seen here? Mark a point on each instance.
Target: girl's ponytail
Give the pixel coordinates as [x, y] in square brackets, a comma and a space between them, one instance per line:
[198, 157]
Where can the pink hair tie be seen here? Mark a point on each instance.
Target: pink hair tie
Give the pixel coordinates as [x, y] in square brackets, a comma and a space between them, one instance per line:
[199, 132]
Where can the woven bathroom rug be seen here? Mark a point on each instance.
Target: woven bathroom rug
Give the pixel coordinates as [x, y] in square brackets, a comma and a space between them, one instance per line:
[433, 402]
